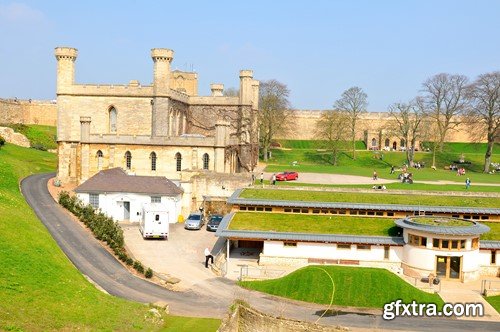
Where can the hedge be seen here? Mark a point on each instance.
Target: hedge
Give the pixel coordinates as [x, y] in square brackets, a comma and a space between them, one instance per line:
[103, 227]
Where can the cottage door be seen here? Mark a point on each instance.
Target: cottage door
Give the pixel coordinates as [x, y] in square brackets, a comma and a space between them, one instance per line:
[126, 210]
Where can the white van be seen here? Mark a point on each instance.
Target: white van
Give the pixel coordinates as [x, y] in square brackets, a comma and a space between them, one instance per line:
[154, 222]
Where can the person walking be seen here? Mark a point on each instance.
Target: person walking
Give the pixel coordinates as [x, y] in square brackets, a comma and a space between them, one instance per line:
[208, 255]
[261, 179]
[467, 183]
[375, 175]
[273, 179]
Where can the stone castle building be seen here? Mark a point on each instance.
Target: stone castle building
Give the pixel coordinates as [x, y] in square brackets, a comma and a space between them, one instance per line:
[162, 129]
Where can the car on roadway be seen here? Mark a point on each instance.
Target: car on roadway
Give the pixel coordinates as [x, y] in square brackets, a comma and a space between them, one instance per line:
[287, 176]
[214, 222]
[194, 221]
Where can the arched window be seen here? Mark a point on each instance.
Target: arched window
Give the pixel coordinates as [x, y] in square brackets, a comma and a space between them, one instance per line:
[387, 142]
[99, 156]
[178, 161]
[403, 143]
[374, 142]
[128, 160]
[112, 120]
[152, 156]
[206, 160]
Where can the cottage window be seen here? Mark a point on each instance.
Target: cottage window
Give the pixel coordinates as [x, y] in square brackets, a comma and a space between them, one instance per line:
[475, 243]
[289, 244]
[343, 246]
[178, 162]
[94, 200]
[152, 156]
[386, 252]
[493, 257]
[128, 160]
[416, 240]
[363, 247]
[155, 199]
[206, 160]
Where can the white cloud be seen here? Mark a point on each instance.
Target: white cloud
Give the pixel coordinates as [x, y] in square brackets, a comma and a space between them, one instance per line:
[20, 13]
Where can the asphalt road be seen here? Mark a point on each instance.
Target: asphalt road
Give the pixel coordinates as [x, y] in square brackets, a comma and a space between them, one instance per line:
[95, 262]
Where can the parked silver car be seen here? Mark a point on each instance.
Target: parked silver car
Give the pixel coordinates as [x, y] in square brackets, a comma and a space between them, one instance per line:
[194, 221]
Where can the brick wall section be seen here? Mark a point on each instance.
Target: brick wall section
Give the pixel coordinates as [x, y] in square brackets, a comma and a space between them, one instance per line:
[42, 112]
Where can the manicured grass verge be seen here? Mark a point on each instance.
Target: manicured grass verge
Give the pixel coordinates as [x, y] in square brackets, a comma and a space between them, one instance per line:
[377, 198]
[40, 289]
[354, 286]
[494, 301]
[296, 223]
[392, 186]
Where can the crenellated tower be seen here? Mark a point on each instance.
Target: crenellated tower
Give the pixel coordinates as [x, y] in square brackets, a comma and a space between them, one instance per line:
[66, 57]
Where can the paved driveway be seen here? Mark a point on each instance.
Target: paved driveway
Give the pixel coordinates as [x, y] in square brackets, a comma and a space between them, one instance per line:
[181, 256]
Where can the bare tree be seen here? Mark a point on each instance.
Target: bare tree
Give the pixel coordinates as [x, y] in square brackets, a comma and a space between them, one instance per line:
[333, 128]
[484, 114]
[406, 121]
[445, 101]
[231, 92]
[353, 102]
[275, 116]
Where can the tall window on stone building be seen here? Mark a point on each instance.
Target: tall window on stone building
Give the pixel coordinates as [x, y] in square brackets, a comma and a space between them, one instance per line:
[387, 142]
[152, 156]
[178, 161]
[403, 143]
[99, 156]
[374, 143]
[206, 160]
[128, 160]
[112, 120]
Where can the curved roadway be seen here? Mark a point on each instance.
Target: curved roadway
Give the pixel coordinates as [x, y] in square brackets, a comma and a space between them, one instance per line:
[95, 262]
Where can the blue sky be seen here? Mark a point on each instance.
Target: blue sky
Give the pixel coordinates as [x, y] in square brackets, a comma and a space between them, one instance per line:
[318, 48]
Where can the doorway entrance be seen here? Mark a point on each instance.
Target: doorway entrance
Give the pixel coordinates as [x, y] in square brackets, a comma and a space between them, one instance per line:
[448, 267]
[126, 210]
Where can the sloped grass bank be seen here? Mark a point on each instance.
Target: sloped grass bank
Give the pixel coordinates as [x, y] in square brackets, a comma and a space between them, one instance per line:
[40, 137]
[354, 286]
[39, 287]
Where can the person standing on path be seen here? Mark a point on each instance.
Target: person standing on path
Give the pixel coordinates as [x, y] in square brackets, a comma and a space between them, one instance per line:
[467, 183]
[273, 179]
[208, 255]
[261, 178]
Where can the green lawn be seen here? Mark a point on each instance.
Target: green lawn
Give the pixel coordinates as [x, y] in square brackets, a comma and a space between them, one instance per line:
[39, 287]
[391, 186]
[312, 161]
[354, 286]
[494, 301]
[38, 135]
[311, 144]
[377, 198]
[300, 223]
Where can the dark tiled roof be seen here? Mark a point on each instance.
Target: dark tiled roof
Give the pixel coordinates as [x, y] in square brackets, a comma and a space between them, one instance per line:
[489, 245]
[116, 180]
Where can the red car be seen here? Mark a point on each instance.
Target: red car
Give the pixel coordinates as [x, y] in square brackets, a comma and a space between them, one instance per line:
[287, 176]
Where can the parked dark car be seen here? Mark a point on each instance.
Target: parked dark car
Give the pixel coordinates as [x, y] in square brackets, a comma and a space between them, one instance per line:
[287, 176]
[214, 222]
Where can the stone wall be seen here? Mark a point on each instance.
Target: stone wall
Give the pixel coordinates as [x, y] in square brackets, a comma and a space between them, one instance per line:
[373, 121]
[42, 112]
[247, 319]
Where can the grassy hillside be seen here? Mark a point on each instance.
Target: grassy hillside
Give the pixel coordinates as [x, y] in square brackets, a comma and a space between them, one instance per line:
[40, 137]
[39, 287]
[353, 286]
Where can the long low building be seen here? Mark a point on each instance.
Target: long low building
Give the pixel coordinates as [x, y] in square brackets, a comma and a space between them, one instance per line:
[360, 209]
[446, 247]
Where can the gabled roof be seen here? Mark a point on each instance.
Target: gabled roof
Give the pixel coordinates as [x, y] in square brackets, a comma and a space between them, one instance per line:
[116, 180]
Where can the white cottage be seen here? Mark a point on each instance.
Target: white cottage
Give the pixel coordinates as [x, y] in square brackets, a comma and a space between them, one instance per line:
[122, 196]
